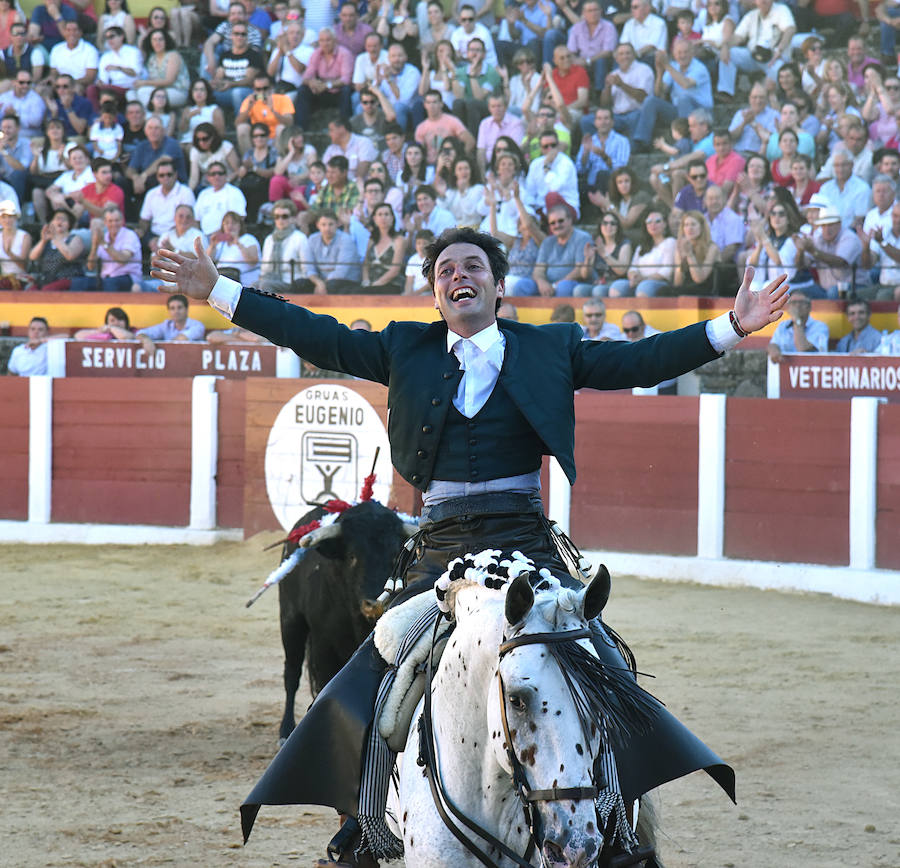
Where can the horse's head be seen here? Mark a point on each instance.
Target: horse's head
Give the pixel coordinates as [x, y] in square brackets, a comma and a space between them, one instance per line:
[541, 733]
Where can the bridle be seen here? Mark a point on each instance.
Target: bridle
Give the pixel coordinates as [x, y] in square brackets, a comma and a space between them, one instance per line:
[527, 796]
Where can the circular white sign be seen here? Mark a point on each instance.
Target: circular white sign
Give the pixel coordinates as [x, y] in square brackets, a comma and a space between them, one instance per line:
[321, 447]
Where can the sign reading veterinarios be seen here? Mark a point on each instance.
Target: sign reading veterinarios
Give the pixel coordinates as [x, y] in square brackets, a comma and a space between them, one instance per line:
[839, 376]
[321, 447]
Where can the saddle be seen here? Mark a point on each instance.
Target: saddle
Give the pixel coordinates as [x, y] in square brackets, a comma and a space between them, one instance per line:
[409, 683]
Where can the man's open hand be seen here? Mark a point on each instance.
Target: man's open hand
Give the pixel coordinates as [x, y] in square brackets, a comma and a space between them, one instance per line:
[755, 310]
[194, 278]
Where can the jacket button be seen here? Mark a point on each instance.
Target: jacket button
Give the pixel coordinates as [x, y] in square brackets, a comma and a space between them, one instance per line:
[416, 478]
[473, 442]
[473, 473]
[470, 424]
[435, 402]
[427, 429]
[422, 454]
[448, 375]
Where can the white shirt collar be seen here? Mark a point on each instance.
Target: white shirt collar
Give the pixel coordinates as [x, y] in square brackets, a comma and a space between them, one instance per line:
[484, 339]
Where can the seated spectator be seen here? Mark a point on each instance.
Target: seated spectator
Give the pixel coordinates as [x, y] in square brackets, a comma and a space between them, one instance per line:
[601, 154]
[596, 328]
[834, 251]
[850, 195]
[216, 200]
[289, 59]
[428, 214]
[200, 109]
[635, 329]
[357, 150]
[762, 39]
[257, 170]
[861, 338]
[802, 184]
[292, 169]
[94, 197]
[274, 111]
[626, 88]
[798, 332]
[652, 268]
[416, 282]
[133, 131]
[210, 147]
[752, 188]
[685, 80]
[525, 85]
[382, 267]
[439, 70]
[499, 123]
[563, 313]
[142, 164]
[564, 265]
[180, 239]
[625, 199]
[881, 255]
[644, 31]
[884, 194]
[854, 141]
[232, 81]
[59, 194]
[184, 22]
[750, 124]
[465, 195]
[469, 30]
[433, 25]
[398, 81]
[58, 255]
[552, 178]
[326, 82]
[116, 327]
[691, 196]
[340, 194]
[890, 343]
[503, 191]
[221, 40]
[75, 57]
[726, 229]
[696, 256]
[414, 172]
[16, 245]
[699, 148]
[788, 118]
[106, 134]
[437, 126]
[449, 152]
[116, 15]
[158, 19]
[159, 106]
[775, 250]
[591, 42]
[22, 55]
[334, 261]
[178, 327]
[161, 203]
[48, 162]
[15, 156]
[285, 253]
[115, 254]
[725, 164]
[76, 112]
[23, 102]
[234, 251]
[47, 23]
[473, 83]
[614, 252]
[840, 101]
[372, 119]
[29, 359]
[569, 84]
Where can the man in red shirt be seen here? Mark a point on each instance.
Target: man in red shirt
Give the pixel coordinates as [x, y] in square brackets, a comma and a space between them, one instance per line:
[726, 163]
[96, 196]
[570, 81]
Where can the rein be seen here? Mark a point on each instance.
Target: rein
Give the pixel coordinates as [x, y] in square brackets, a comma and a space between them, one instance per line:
[527, 796]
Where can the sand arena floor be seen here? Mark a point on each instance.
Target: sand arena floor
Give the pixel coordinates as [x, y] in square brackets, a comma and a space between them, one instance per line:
[139, 702]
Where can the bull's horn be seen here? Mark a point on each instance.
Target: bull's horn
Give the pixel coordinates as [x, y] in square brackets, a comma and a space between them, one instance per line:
[314, 537]
[410, 529]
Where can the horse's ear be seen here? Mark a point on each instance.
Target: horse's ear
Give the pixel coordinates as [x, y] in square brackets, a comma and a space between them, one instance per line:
[597, 593]
[519, 599]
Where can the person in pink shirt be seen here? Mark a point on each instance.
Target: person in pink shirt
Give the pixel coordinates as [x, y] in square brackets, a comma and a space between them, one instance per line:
[592, 41]
[726, 163]
[499, 122]
[326, 82]
[437, 126]
[350, 31]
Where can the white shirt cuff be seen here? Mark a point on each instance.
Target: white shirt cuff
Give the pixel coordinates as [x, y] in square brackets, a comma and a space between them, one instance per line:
[225, 296]
[720, 332]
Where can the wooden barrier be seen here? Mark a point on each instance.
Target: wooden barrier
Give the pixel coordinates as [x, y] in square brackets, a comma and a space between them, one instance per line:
[887, 522]
[14, 426]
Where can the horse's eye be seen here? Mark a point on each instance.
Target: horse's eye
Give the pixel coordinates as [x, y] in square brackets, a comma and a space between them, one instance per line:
[517, 702]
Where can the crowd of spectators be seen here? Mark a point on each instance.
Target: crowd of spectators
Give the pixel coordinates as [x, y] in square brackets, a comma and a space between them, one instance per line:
[635, 148]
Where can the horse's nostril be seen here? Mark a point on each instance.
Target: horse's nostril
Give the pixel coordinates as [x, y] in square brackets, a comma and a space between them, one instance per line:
[553, 853]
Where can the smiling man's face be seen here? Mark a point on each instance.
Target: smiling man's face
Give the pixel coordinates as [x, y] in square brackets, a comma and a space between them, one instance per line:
[464, 289]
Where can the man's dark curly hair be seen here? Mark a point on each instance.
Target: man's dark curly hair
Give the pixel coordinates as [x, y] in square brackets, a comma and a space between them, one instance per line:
[466, 235]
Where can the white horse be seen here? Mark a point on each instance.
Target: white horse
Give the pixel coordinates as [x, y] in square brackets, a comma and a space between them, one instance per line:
[498, 682]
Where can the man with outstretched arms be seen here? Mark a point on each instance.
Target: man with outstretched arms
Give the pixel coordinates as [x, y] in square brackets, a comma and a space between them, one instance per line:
[475, 404]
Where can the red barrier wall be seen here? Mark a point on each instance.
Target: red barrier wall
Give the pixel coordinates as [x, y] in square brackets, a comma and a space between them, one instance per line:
[787, 481]
[637, 473]
[14, 454]
[887, 521]
[122, 451]
[230, 467]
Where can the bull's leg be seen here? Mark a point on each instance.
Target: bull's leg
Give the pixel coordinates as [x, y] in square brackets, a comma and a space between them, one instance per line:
[294, 633]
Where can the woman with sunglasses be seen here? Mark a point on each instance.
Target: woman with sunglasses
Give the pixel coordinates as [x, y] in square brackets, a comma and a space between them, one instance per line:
[257, 170]
[285, 253]
[449, 152]
[614, 253]
[881, 105]
[625, 199]
[840, 100]
[522, 94]
[812, 72]
[158, 19]
[652, 267]
[200, 109]
[716, 28]
[774, 252]
[209, 147]
[116, 14]
[232, 248]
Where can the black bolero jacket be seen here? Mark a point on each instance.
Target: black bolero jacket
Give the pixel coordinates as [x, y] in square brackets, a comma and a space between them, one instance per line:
[542, 369]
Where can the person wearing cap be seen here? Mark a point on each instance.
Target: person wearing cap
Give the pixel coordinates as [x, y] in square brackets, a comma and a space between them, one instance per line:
[834, 251]
[798, 332]
[16, 243]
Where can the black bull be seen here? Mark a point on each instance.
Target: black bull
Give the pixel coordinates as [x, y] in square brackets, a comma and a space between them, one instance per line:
[328, 601]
